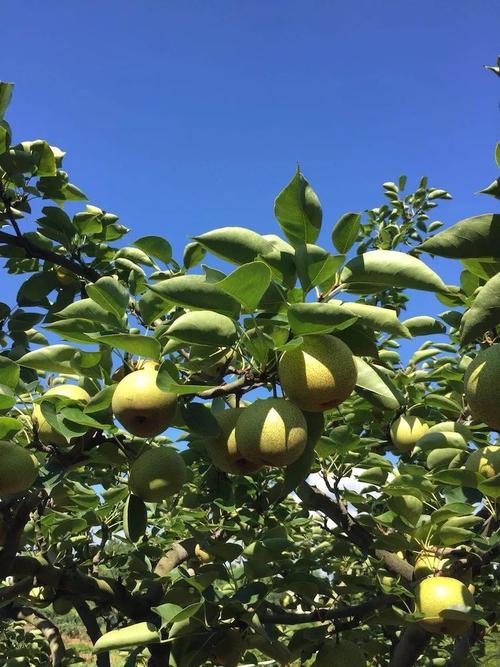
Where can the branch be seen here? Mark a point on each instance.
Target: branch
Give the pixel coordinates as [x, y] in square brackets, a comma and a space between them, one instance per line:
[19, 588]
[178, 553]
[240, 385]
[357, 612]
[359, 536]
[37, 252]
[94, 632]
[411, 645]
[46, 627]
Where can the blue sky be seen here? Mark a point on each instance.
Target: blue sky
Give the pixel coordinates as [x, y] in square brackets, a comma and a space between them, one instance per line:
[185, 116]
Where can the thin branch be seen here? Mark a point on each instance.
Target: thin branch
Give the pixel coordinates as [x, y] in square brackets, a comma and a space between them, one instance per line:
[410, 647]
[178, 553]
[94, 632]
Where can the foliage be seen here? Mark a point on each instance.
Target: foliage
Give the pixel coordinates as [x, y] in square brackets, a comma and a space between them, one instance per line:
[274, 563]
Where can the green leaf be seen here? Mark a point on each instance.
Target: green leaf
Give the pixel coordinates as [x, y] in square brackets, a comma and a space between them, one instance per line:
[474, 237]
[376, 387]
[143, 346]
[61, 359]
[376, 318]
[315, 266]
[407, 507]
[203, 327]
[490, 487]
[235, 244]
[152, 306]
[7, 398]
[345, 231]
[247, 284]
[167, 380]
[484, 313]
[135, 518]
[193, 254]
[5, 96]
[87, 309]
[493, 189]
[459, 477]
[76, 330]
[44, 158]
[199, 419]
[424, 325]
[9, 372]
[380, 269]
[450, 535]
[174, 613]
[110, 294]
[138, 634]
[9, 426]
[298, 211]
[156, 246]
[195, 292]
[307, 318]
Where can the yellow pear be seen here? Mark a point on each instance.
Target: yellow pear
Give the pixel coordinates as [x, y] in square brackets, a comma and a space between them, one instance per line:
[434, 595]
[406, 430]
[318, 375]
[427, 563]
[223, 450]
[482, 386]
[271, 431]
[45, 431]
[485, 461]
[157, 474]
[18, 469]
[140, 406]
[202, 555]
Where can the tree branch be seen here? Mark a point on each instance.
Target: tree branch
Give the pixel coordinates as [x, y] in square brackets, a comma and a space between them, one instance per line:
[357, 612]
[178, 553]
[411, 645]
[46, 627]
[94, 632]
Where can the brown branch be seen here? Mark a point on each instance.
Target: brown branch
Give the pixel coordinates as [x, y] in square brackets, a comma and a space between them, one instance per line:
[410, 647]
[37, 252]
[178, 553]
[358, 535]
[89, 620]
[46, 627]
[357, 612]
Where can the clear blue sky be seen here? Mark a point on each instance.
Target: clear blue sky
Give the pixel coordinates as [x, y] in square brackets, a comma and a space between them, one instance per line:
[183, 116]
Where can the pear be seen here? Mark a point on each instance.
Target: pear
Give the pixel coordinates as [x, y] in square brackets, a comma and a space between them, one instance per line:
[271, 431]
[434, 595]
[18, 468]
[157, 474]
[318, 375]
[485, 461]
[482, 389]
[223, 450]
[406, 430]
[46, 433]
[140, 406]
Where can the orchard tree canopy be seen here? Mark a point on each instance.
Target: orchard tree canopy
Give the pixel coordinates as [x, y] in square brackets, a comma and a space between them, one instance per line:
[229, 462]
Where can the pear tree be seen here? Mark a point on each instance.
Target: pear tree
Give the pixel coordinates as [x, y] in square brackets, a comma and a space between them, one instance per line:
[253, 449]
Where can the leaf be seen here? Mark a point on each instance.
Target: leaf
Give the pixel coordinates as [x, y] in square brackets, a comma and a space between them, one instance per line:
[193, 254]
[135, 518]
[61, 359]
[315, 266]
[167, 380]
[490, 487]
[407, 507]
[298, 471]
[235, 244]
[345, 231]
[493, 189]
[143, 346]
[497, 154]
[199, 419]
[307, 318]
[203, 327]
[5, 96]
[298, 211]
[7, 398]
[474, 237]
[376, 318]
[484, 313]
[195, 292]
[389, 268]
[247, 284]
[110, 294]
[138, 634]
[9, 372]
[450, 535]
[174, 613]
[156, 246]
[9, 426]
[444, 458]
[458, 477]
[424, 325]
[152, 306]
[375, 387]
[87, 309]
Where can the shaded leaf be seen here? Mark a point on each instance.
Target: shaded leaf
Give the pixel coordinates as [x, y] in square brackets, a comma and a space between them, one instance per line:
[345, 231]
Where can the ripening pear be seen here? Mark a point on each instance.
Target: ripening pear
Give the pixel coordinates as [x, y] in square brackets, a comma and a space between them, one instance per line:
[223, 450]
[46, 433]
[406, 430]
[342, 654]
[140, 406]
[318, 375]
[429, 563]
[271, 431]
[485, 461]
[157, 474]
[482, 387]
[18, 468]
[435, 594]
